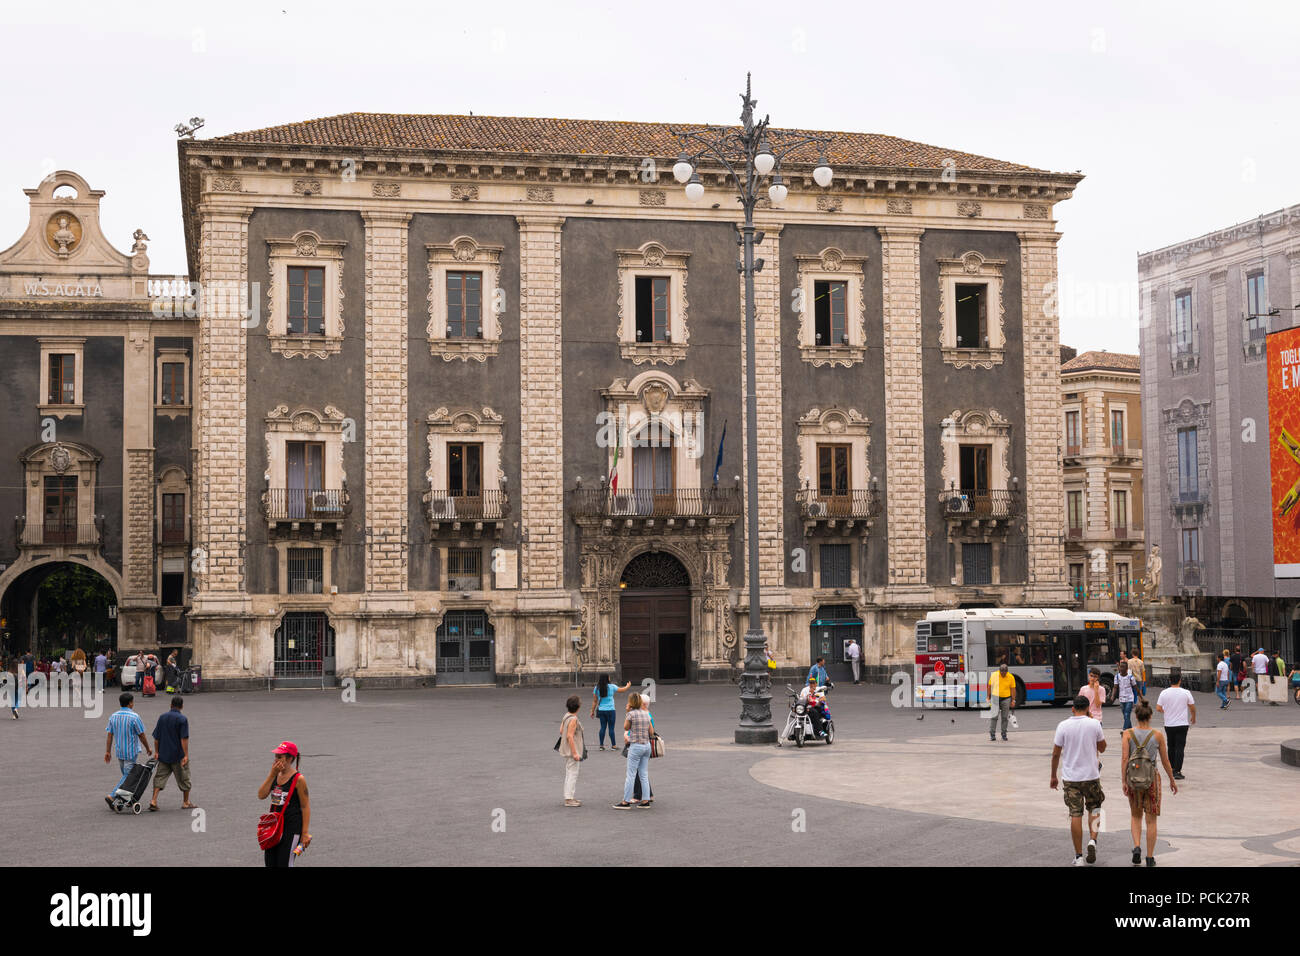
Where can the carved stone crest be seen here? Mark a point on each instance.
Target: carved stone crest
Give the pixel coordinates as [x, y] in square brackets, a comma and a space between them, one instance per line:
[305, 243]
[463, 191]
[60, 459]
[653, 197]
[655, 396]
[972, 262]
[899, 207]
[969, 209]
[540, 194]
[832, 260]
[386, 190]
[306, 187]
[1036, 210]
[226, 184]
[465, 250]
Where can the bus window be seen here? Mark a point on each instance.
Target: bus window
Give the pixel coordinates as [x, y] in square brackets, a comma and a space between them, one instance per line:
[1038, 654]
[1018, 656]
[1100, 651]
[939, 644]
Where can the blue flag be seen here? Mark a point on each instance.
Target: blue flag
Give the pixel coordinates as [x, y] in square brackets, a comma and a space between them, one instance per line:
[718, 464]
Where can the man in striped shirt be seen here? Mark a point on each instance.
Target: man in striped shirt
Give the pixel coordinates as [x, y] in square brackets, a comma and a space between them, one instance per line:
[123, 728]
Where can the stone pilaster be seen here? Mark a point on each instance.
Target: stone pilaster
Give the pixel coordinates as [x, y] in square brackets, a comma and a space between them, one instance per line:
[904, 418]
[220, 404]
[137, 624]
[767, 377]
[138, 551]
[386, 412]
[541, 402]
[1224, 434]
[1044, 485]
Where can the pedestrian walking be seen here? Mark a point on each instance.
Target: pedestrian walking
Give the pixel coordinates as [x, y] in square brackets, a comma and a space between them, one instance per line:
[854, 654]
[1178, 706]
[1095, 693]
[287, 788]
[172, 735]
[1126, 691]
[1143, 753]
[1076, 749]
[574, 749]
[637, 792]
[1002, 699]
[101, 665]
[818, 670]
[602, 705]
[1222, 677]
[125, 738]
[1236, 670]
[637, 725]
[17, 682]
[1138, 669]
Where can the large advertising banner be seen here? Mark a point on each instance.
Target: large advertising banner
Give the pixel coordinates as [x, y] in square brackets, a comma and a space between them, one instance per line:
[1284, 443]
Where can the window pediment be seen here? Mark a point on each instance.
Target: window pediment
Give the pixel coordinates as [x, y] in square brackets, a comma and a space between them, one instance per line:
[972, 268]
[305, 249]
[465, 254]
[651, 260]
[829, 266]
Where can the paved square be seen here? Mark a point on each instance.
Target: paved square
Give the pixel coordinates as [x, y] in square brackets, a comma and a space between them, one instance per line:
[420, 777]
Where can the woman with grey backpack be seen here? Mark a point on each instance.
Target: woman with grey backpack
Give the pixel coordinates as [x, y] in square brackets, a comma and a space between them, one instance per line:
[1143, 753]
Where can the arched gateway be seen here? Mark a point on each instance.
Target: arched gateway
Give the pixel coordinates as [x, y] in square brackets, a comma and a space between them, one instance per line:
[655, 619]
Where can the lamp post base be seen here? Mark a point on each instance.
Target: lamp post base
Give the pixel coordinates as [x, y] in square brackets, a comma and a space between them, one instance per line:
[755, 694]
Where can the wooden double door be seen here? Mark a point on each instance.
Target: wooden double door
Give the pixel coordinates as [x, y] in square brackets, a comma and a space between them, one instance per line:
[655, 635]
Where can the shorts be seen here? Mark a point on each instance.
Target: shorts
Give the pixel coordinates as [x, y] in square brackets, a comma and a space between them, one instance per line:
[1146, 801]
[1086, 793]
[165, 770]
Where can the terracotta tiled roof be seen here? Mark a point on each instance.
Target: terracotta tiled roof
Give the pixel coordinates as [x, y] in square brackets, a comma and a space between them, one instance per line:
[534, 135]
[1117, 361]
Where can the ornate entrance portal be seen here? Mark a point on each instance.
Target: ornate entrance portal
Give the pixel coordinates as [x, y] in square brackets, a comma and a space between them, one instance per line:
[655, 619]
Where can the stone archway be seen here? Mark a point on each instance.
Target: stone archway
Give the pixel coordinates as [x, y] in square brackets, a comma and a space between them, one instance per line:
[27, 575]
[654, 636]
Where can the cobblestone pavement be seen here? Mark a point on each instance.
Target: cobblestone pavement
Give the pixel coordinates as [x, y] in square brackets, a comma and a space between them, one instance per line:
[467, 776]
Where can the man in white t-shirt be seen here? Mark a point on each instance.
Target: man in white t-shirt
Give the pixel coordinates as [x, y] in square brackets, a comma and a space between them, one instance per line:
[1260, 664]
[1178, 706]
[854, 654]
[1222, 674]
[1076, 748]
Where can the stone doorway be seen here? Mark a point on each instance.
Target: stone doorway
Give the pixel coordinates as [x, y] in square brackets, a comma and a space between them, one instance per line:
[655, 619]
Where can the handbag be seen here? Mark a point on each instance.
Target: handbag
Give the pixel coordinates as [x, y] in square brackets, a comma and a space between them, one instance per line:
[270, 825]
[657, 746]
[560, 739]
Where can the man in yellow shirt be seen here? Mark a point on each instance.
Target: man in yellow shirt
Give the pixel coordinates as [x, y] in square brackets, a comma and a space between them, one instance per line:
[1002, 699]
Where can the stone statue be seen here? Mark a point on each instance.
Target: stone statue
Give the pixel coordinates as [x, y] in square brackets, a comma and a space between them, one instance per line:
[1154, 565]
[64, 236]
[1186, 641]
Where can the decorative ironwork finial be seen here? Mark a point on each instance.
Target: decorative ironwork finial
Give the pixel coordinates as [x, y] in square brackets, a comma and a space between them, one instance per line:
[747, 113]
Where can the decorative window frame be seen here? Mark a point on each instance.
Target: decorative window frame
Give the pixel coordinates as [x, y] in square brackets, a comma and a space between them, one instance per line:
[304, 424]
[62, 345]
[652, 259]
[1253, 350]
[656, 396]
[1120, 482]
[327, 547]
[1111, 408]
[306, 248]
[976, 427]
[172, 356]
[1189, 361]
[972, 268]
[831, 264]
[172, 481]
[1073, 405]
[448, 426]
[463, 252]
[854, 565]
[60, 458]
[834, 425]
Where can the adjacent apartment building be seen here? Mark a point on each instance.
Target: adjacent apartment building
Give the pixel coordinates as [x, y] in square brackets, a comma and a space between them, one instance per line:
[1102, 464]
[1207, 305]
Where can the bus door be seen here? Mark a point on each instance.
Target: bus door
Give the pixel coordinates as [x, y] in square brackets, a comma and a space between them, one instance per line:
[1069, 672]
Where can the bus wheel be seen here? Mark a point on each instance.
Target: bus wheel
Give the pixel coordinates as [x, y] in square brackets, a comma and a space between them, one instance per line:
[1108, 682]
[1020, 692]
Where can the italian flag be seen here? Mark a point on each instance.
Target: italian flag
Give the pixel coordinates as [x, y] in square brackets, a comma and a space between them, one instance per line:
[613, 474]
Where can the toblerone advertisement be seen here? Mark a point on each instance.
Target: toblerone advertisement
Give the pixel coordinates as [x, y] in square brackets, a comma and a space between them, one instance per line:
[1284, 443]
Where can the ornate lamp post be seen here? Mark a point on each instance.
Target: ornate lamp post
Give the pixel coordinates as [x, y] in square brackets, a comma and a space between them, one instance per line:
[750, 155]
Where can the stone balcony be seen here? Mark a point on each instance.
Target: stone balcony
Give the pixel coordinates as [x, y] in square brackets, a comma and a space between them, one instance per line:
[50, 534]
[854, 508]
[297, 511]
[669, 509]
[453, 513]
[992, 509]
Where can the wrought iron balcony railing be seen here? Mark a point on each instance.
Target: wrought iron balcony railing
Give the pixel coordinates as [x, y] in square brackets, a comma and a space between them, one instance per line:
[303, 504]
[666, 503]
[853, 503]
[974, 504]
[59, 532]
[1191, 574]
[450, 506]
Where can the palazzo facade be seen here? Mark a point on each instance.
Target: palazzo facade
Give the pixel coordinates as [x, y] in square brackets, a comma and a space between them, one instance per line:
[463, 385]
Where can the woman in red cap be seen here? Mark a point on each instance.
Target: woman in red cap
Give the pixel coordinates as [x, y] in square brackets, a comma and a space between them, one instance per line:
[287, 789]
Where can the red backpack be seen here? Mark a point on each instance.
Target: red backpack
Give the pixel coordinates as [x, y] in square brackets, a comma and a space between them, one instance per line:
[270, 825]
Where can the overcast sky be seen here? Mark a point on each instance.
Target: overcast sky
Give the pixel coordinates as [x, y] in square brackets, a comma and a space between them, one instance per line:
[1181, 115]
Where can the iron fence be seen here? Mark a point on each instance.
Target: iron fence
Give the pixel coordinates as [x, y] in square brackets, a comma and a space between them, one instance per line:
[851, 503]
[980, 503]
[668, 503]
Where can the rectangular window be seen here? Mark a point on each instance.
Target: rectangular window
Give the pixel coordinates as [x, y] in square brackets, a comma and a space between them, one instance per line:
[1188, 468]
[1119, 518]
[173, 589]
[464, 569]
[977, 564]
[63, 379]
[974, 468]
[465, 470]
[836, 566]
[1122, 581]
[1117, 430]
[1074, 512]
[464, 305]
[1076, 581]
[305, 475]
[972, 316]
[173, 518]
[830, 312]
[832, 470]
[1191, 545]
[1183, 323]
[306, 574]
[652, 309]
[306, 309]
[1072, 434]
[1256, 307]
[653, 474]
[60, 509]
[173, 384]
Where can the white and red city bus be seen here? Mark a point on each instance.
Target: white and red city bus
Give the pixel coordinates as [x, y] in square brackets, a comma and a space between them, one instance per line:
[1048, 650]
